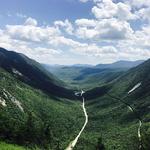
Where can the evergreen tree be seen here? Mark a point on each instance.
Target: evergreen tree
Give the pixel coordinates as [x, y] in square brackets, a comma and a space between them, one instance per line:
[100, 145]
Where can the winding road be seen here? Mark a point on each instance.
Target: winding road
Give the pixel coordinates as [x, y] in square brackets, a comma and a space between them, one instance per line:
[140, 121]
[74, 142]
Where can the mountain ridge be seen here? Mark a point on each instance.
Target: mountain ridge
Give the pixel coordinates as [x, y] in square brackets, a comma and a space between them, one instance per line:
[91, 76]
[33, 73]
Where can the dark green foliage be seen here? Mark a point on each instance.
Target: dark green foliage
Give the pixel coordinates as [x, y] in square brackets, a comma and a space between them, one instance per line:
[100, 145]
[146, 138]
[50, 122]
[112, 119]
[97, 92]
[47, 122]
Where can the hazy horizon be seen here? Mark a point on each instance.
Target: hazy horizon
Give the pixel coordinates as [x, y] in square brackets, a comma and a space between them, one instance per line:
[93, 64]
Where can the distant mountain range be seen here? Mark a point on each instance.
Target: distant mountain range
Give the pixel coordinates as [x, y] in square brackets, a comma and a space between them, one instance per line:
[90, 76]
[82, 65]
[117, 64]
[121, 64]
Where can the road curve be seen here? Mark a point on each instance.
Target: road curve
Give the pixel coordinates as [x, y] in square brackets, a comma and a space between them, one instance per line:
[139, 128]
[74, 142]
[139, 134]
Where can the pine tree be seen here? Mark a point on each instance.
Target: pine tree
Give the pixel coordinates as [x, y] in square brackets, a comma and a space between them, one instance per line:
[100, 145]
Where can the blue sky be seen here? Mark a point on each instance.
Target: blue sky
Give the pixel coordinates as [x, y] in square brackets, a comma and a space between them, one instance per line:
[45, 10]
[76, 31]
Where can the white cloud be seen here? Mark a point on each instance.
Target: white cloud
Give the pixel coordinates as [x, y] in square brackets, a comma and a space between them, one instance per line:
[85, 22]
[105, 9]
[31, 33]
[35, 41]
[30, 22]
[65, 25]
[111, 30]
[42, 51]
[106, 29]
[124, 12]
[109, 9]
[62, 41]
[112, 53]
[86, 28]
[94, 50]
[141, 38]
[144, 13]
[38, 52]
[111, 23]
[114, 29]
[108, 54]
[85, 33]
[138, 3]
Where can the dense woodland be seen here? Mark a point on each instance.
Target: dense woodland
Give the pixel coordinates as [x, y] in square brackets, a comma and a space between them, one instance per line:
[36, 119]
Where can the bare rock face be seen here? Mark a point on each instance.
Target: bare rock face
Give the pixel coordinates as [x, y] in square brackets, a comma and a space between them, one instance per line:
[2, 102]
[8, 96]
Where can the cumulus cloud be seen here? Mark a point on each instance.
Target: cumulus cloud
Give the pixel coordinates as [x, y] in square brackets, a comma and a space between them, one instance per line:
[106, 29]
[109, 35]
[63, 41]
[106, 9]
[85, 33]
[144, 13]
[111, 53]
[110, 23]
[141, 38]
[65, 25]
[30, 22]
[35, 51]
[114, 29]
[138, 3]
[85, 22]
[94, 50]
[109, 9]
[29, 32]
[43, 51]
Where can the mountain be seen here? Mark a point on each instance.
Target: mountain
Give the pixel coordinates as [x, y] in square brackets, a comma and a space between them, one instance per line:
[66, 73]
[105, 73]
[32, 73]
[135, 75]
[121, 64]
[29, 112]
[38, 111]
[91, 76]
[82, 65]
[115, 109]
